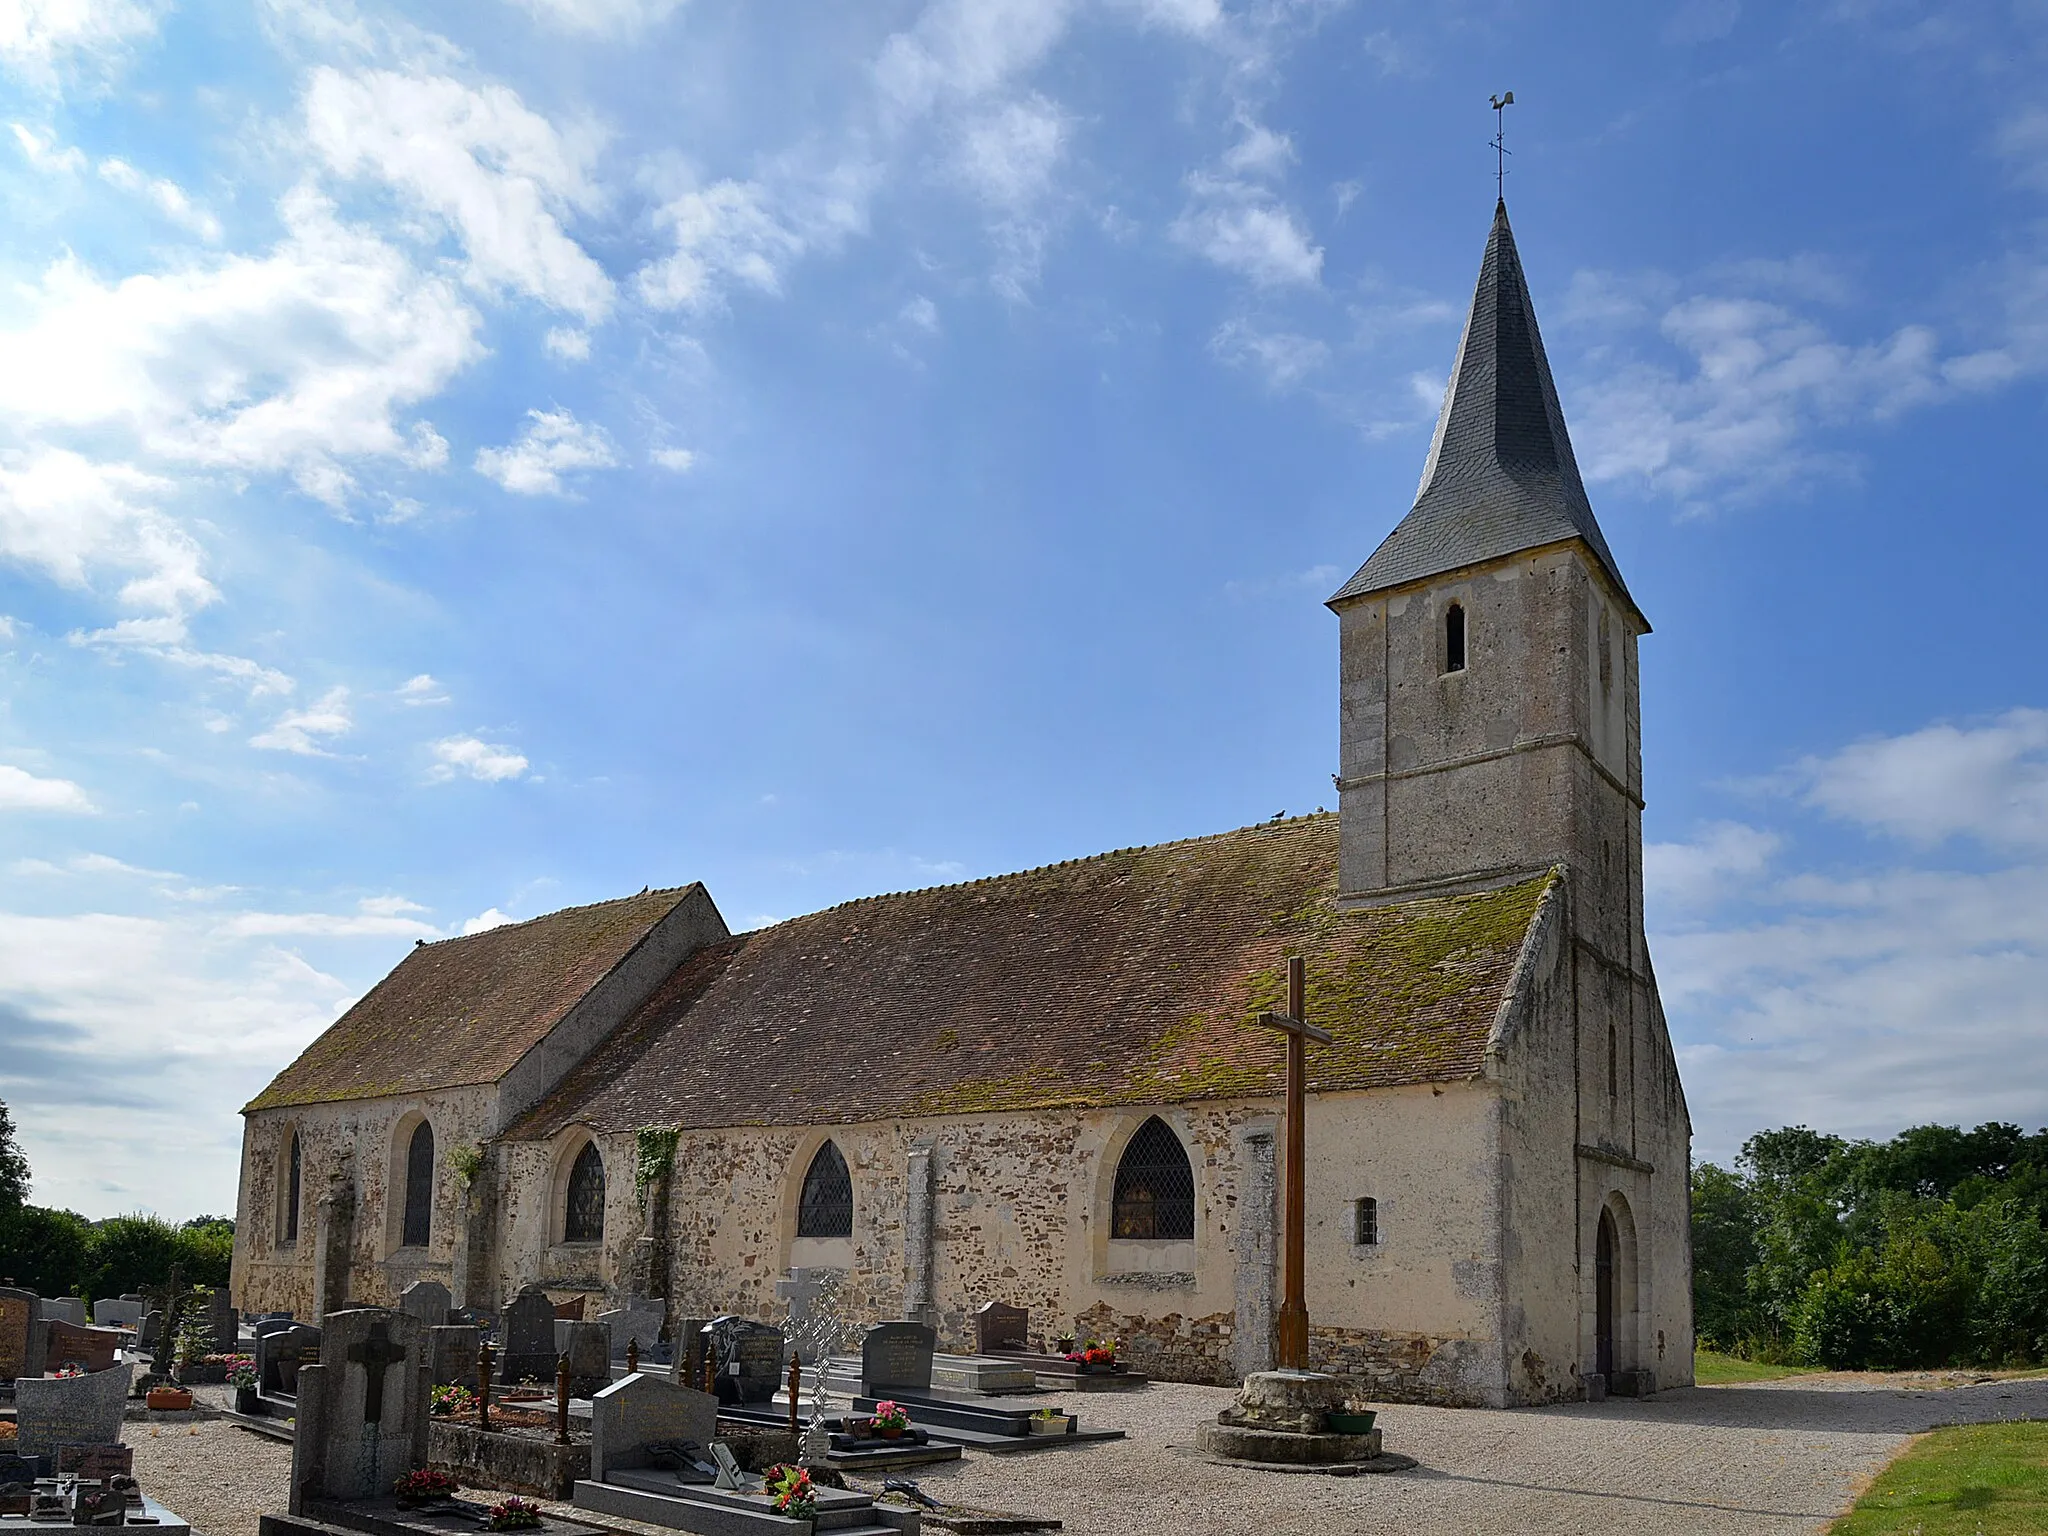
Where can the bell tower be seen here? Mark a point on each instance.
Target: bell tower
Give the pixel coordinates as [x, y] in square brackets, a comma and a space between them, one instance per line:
[1489, 696]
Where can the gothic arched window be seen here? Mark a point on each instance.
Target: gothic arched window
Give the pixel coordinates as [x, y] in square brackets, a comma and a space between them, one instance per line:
[291, 1189]
[583, 1221]
[1454, 638]
[1155, 1186]
[419, 1187]
[826, 1207]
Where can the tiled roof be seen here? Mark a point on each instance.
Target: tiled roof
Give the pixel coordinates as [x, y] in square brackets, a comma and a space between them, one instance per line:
[1125, 978]
[1500, 477]
[465, 1010]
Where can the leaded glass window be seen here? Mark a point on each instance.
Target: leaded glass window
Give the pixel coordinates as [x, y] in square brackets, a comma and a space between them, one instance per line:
[419, 1187]
[585, 1219]
[291, 1196]
[1155, 1186]
[826, 1208]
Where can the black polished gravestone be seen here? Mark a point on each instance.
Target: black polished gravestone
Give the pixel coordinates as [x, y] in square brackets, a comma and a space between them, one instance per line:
[748, 1357]
[999, 1328]
[897, 1357]
[279, 1356]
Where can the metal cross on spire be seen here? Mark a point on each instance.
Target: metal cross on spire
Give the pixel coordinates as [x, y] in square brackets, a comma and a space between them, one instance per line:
[1501, 103]
[1292, 1339]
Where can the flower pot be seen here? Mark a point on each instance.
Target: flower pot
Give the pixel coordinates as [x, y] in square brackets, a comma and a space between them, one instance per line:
[1351, 1423]
[893, 1433]
[245, 1401]
[169, 1399]
[1054, 1426]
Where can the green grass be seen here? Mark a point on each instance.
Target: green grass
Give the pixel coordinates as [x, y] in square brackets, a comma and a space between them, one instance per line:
[1972, 1480]
[1710, 1368]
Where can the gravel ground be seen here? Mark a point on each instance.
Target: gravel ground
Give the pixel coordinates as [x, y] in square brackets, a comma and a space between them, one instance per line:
[1770, 1457]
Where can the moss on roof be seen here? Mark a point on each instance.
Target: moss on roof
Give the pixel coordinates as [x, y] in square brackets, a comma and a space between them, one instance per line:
[465, 1010]
[1131, 977]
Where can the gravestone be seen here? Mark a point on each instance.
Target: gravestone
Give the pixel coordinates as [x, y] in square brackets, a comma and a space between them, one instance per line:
[150, 1333]
[65, 1309]
[749, 1356]
[570, 1311]
[116, 1313]
[451, 1354]
[97, 1461]
[589, 1348]
[362, 1411]
[55, 1411]
[89, 1349]
[999, 1326]
[428, 1302]
[642, 1410]
[280, 1357]
[16, 1470]
[897, 1357]
[269, 1323]
[224, 1323]
[21, 1334]
[637, 1320]
[527, 1346]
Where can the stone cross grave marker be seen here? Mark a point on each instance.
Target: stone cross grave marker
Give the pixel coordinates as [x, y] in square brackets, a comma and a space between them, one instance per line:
[1291, 1334]
[1000, 1327]
[642, 1410]
[56, 1411]
[527, 1348]
[113, 1312]
[21, 1336]
[428, 1301]
[897, 1357]
[362, 1412]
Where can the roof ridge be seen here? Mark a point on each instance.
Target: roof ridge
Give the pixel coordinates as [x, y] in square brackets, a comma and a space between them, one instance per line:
[1037, 869]
[527, 922]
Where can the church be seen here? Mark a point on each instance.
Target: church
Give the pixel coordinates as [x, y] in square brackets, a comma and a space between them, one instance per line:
[1045, 1088]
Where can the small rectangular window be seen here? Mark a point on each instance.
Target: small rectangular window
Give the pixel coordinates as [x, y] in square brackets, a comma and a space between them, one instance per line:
[1454, 638]
[1368, 1221]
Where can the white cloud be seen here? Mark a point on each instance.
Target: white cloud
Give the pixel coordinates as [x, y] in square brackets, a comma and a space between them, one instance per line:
[41, 39]
[293, 360]
[1987, 782]
[1282, 358]
[724, 234]
[71, 518]
[497, 173]
[552, 444]
[677, 460]
[478, 759]
[567, 344]
[8, 627]
[168, 196]
[966, 48]
[422, 690]
[327, 925]
[296, 731]
[388, 906]
[486, 920]
[1243, 228]
[602, 17]
[106, 864]
[1686, 876]
[21, 790]
[920, 314]
[1006, 156]
[42, 151]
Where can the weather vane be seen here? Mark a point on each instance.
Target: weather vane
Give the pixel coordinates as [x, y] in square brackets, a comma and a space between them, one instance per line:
[1500, 148]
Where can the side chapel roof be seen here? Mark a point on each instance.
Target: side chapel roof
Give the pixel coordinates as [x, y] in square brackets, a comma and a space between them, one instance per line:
[1501, 477]
[465, 1010]
[1125, 978]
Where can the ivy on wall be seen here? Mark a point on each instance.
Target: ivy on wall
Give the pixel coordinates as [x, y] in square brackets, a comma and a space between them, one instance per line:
[655, 1148]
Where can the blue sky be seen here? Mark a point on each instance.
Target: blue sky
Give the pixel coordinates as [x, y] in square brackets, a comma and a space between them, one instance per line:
[463, 463]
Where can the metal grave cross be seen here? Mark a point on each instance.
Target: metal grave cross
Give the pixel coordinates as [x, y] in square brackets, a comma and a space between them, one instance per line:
[1292, 1341]
[375, 1353]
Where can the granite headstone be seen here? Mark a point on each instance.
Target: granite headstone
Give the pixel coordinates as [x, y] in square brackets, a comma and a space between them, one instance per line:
[749, 1356]
[428, 1302]
[637, 1320]
[281, 1355]
[998, 1327]
[526, 1346]
[589, 1348]
[116, 1313]
[224, 1323]
[64, 1309]
[89, 1349]
[21, 1334]
[55, 1411]
[642, 1410]
[897, 1357]
[451, 1353]
[362, 1411]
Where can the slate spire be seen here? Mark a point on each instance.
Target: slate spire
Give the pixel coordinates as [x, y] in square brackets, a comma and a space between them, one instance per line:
[1500, 477]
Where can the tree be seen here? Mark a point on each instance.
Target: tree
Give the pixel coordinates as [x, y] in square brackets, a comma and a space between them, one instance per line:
[1723, 1253]
[13, 1168]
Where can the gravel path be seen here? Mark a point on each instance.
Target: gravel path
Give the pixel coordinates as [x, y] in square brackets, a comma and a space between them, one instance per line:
[1709, 1461]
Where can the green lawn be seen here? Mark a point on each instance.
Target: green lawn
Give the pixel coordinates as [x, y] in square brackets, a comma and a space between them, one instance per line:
[1710, 1368]
[1972, 1480]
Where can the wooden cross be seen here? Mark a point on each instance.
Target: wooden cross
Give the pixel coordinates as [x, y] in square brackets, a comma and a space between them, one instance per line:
[375, 1353]
[1292, 1338]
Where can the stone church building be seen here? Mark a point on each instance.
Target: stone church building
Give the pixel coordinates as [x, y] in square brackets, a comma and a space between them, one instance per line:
[1044, 1088]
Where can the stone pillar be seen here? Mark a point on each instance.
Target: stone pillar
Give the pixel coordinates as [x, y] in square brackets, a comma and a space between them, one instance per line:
[473, 1273]
[333, 1246]
[919, 1200]
[1257, 1224]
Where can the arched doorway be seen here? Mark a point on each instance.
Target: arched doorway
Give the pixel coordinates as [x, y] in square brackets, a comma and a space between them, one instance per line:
[1604, 1254]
